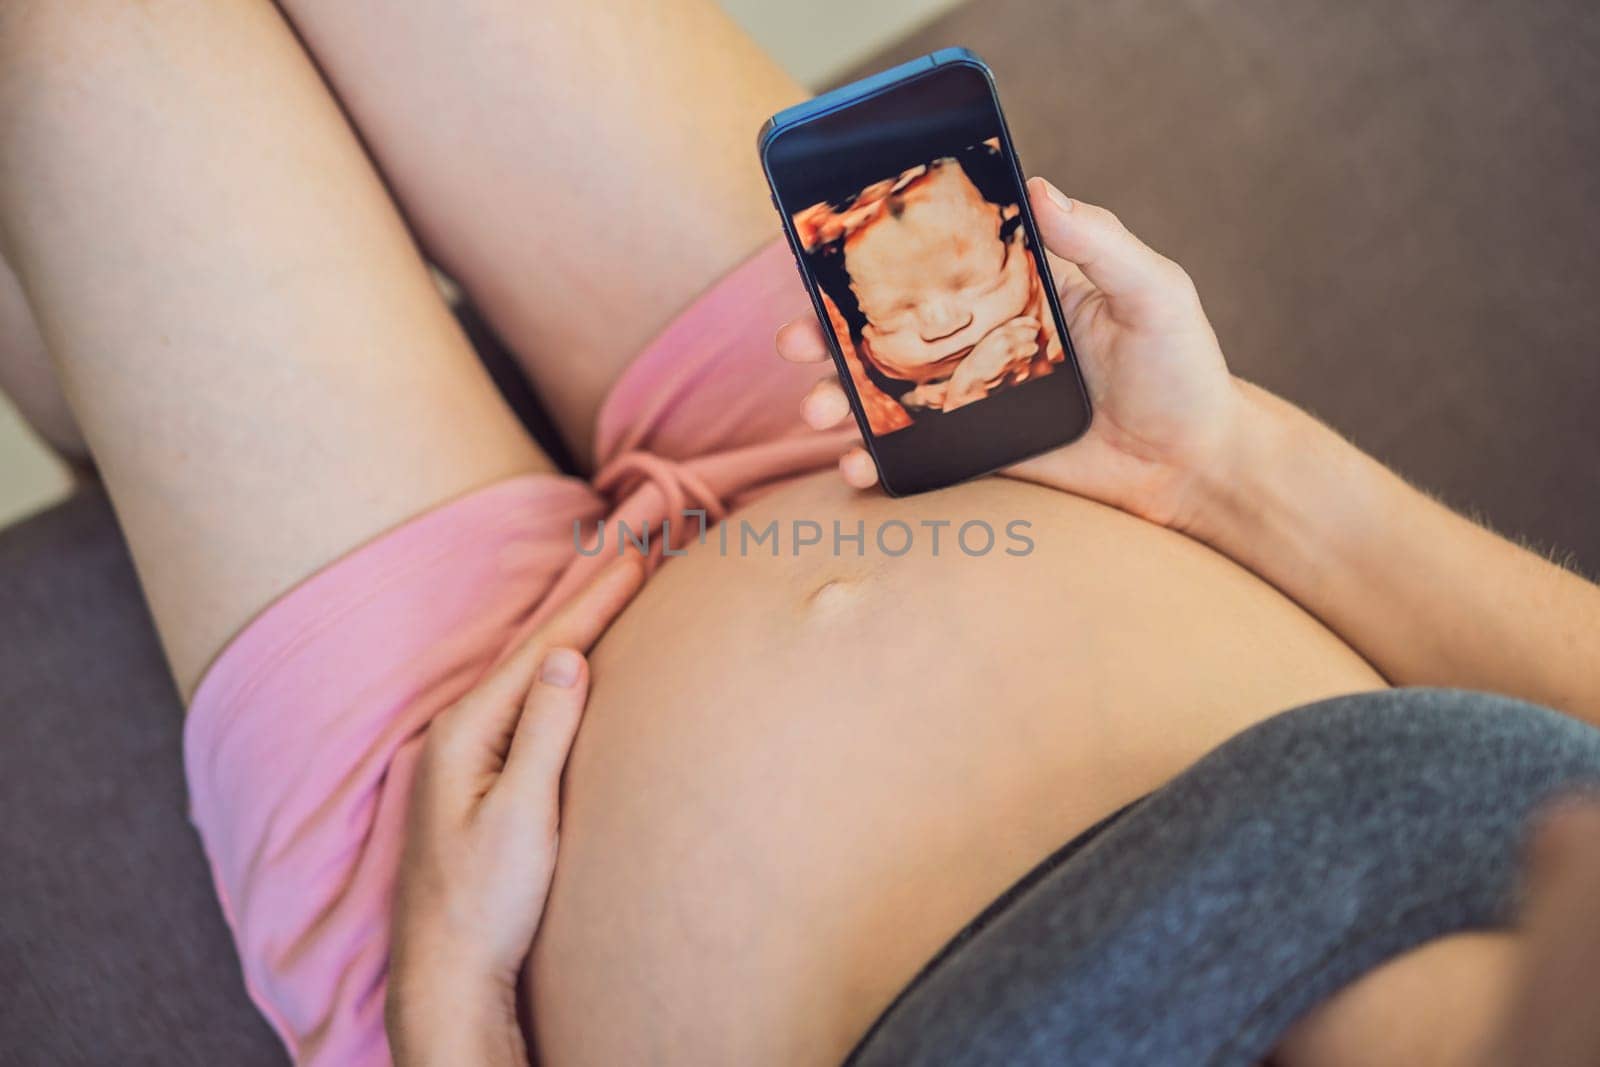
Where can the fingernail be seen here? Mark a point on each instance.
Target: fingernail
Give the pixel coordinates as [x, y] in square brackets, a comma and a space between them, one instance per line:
[561, 668]
[1057, 197]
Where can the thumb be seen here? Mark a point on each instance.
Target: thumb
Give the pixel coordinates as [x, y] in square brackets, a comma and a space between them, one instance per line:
[550, 715]
[1144, 288]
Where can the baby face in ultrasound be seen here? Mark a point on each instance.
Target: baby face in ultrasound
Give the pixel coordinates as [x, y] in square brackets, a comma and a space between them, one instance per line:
[934, 279]
[949, 298]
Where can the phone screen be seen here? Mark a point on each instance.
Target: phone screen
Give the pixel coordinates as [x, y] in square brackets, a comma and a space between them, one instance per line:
[912, 229]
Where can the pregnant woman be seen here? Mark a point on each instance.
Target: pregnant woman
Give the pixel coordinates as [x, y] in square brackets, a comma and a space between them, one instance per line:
[819, 800]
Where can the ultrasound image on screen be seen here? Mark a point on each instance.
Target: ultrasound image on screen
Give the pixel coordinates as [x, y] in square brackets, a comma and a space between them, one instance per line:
[931, 287]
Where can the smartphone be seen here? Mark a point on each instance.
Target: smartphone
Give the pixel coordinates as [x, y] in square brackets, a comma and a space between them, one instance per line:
[903, 202]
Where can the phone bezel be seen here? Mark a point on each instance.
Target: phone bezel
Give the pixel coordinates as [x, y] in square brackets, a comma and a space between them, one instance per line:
[947, 450]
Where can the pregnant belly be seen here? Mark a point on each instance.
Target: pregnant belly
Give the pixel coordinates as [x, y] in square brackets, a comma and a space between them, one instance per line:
[800, 775]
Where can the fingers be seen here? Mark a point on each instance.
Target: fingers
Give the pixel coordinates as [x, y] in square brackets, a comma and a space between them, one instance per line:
[550, 716]
[1071, 285]
[1139, 283]
[475, 735]
[578, 625]
[825, 404]
[585, 617]
[801, 341]
[858, 469]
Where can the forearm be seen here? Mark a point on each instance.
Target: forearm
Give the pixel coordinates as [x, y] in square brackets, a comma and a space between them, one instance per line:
[453, 1024]
[1426, 596]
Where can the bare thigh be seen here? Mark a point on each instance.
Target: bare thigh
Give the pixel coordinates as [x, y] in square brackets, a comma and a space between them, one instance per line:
[1439, 1005]
[583, 169]
[239, 319]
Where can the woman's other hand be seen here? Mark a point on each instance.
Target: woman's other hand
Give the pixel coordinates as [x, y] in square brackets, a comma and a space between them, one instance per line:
[481, 843]
[1165, 405]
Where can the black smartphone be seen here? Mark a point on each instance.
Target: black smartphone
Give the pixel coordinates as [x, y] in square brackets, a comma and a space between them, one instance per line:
[905, 207]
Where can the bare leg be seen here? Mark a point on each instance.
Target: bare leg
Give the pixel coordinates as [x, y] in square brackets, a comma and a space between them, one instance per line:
[584, 170]
[1550, 1020]
[1435, 1006]
[27, 377]
[242, 326]
[1522, 997]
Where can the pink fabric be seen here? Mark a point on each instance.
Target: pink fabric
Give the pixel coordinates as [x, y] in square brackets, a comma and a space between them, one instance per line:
[301, 742]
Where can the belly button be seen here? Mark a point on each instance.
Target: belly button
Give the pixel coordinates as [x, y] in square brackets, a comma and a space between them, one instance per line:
[831, 594]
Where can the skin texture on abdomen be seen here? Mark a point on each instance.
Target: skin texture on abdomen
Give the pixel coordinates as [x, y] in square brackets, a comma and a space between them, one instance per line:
[799, 775]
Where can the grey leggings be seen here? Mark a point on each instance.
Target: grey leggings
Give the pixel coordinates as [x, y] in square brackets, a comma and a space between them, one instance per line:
[1195, 925]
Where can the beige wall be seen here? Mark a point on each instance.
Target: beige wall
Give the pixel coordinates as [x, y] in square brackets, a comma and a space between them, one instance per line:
[30, 476]
[818, 39]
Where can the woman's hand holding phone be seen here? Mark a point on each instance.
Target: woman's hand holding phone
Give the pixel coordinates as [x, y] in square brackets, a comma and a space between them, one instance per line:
[1166, 408]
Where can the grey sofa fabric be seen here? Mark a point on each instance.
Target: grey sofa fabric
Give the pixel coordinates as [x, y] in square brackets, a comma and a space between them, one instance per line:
[1391, 208]
[112, 948]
